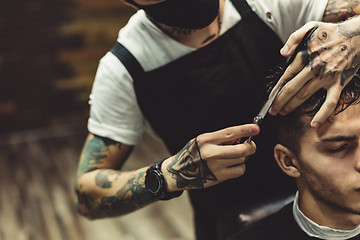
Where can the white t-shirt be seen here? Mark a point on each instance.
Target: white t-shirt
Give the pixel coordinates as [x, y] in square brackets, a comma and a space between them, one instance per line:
[114, 112]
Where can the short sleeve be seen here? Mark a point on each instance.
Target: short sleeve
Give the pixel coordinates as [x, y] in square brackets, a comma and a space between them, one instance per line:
[286, 16]
[114, 112]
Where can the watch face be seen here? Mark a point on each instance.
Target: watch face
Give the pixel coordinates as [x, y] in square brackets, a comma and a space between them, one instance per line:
[152, 182]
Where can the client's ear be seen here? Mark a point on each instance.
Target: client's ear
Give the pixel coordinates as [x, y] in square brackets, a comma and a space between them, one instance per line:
[286, 160]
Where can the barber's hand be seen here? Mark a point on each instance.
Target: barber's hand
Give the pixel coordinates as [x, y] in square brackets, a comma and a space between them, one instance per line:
[331, 60]
[210, 159]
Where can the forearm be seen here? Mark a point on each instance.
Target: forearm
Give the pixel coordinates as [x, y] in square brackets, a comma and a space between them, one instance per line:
[340, 10]
[108, 193]
[102, 190]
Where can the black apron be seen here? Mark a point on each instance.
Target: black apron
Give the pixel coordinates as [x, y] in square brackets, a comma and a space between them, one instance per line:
[220, 85]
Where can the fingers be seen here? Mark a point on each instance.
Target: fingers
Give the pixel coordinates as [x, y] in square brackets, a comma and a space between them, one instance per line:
[218, 152]
[327, 109]
[225, 169]
[235, 171]
[290, 72]
[213, 149]
[290, 91]
[302, 95]
[229, 135]
[299, 89]
[294, 39]
[226, 163]
[295, 67]
[228, 152]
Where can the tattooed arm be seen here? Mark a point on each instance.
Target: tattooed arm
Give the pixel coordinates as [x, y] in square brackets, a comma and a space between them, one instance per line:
[103, 190]
[340, 10]
[330, 62]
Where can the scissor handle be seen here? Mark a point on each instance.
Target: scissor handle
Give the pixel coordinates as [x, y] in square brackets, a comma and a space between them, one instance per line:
[302, 44]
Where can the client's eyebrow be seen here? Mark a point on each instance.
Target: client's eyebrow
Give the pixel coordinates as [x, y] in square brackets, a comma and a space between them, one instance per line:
[339, 139]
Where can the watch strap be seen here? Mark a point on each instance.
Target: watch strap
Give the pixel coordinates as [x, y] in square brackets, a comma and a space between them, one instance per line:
[162, 194]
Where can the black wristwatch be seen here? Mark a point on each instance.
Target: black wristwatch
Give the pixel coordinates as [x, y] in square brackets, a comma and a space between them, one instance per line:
[156, 185]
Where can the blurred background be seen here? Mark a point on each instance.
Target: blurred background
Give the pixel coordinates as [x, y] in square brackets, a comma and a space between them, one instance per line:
[49, 51]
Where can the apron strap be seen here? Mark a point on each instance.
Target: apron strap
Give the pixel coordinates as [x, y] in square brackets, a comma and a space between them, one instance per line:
[243, 8]
[128, 60]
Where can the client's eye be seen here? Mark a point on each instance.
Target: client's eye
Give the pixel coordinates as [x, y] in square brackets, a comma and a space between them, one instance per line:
[338, 149]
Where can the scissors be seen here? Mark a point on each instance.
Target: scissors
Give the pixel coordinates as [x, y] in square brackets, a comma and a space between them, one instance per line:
[302, 46]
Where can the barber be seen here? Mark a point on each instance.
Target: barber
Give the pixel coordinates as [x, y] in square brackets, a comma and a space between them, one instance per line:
[194, 70]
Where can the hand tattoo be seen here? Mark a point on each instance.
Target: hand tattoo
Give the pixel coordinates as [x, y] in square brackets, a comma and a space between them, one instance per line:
[341, 43]
[189, 169]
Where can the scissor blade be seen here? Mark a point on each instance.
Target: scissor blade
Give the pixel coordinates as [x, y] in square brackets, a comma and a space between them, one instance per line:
[258, 119]
[270, 101]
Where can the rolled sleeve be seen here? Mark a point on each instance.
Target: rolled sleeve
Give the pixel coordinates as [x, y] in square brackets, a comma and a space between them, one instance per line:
[114, 112]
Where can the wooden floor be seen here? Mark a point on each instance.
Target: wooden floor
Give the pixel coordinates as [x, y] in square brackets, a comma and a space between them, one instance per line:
[37, 167]
[36, 195]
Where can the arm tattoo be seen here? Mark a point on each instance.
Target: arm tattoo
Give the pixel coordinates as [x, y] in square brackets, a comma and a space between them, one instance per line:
[189, 169]
[128, 198]
[108, 195]
[94, 154]
[340, 10]
[102, 178]
[98, 150]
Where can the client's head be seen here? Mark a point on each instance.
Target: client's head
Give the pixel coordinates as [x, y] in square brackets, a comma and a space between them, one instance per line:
[325, 161]
[291, 127]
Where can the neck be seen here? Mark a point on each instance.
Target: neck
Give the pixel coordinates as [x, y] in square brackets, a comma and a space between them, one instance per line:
[313, 229]
[196, 38]
[325, 215]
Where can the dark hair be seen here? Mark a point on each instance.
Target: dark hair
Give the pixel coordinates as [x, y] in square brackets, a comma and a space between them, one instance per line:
[291, 127]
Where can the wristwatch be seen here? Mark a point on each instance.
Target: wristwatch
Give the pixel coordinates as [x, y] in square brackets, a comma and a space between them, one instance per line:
[155, 183]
